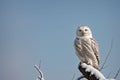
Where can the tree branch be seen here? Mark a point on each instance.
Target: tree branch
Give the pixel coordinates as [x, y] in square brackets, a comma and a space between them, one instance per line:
[90, 73]
[79, 78]
[108, 54]
[117, 73]
[40, 77]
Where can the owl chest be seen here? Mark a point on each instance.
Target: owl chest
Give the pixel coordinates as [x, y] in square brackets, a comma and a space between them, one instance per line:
[84, 46]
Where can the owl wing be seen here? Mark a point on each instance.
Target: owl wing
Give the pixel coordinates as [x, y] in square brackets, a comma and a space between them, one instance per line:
[95, 48]
[77, 45]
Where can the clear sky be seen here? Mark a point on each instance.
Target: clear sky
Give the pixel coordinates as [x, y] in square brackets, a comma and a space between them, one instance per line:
[34, 30]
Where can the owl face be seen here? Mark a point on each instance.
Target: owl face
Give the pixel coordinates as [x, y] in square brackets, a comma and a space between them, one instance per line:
[84, 31]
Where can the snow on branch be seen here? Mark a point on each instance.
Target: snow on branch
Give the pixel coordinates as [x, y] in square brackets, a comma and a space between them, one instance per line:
[91, 73]
[40, 77]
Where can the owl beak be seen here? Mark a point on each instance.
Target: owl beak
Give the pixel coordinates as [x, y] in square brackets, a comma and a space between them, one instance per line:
[82, 33]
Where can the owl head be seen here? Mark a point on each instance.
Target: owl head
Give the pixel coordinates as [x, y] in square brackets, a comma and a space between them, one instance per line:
[84, 31]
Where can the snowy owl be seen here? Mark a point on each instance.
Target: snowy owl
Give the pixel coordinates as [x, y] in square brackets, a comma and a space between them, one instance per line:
[86, 47]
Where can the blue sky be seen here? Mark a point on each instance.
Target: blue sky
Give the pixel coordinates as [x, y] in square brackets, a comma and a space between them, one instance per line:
[34, 30]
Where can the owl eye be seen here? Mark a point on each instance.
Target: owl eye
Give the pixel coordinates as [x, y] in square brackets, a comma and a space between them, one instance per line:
[80, 30]
[86, 29]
